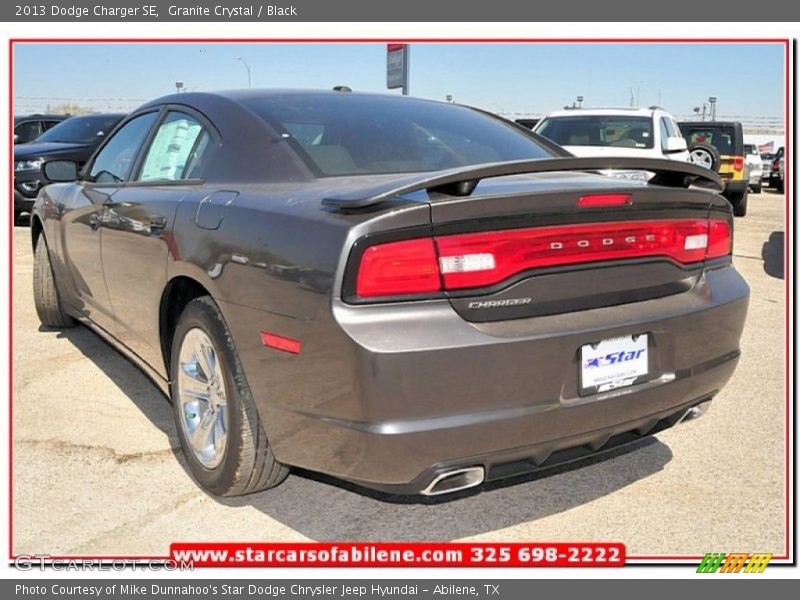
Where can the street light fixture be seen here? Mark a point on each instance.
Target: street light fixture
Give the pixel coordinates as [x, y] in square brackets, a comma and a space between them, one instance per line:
[712, 100]
[580, 101]
[246, 66]
[178, 86]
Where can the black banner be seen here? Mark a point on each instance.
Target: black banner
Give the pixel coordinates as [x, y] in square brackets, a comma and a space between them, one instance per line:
[405, 11]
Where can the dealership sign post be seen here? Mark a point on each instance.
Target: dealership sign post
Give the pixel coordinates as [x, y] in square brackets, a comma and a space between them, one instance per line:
[397, 67]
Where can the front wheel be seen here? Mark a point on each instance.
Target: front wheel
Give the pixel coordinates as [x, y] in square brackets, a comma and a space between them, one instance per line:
[45, 291]
[221, 434]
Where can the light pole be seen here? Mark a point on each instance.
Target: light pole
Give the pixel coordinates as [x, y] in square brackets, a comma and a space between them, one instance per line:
[178, 86]
[697, 111]
[580, 101]
[246, 66]
[712, 100]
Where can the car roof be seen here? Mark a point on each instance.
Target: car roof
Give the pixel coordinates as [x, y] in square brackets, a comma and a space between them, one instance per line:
[240, 96]
[249, 94]
[614, 112]
[118, 115]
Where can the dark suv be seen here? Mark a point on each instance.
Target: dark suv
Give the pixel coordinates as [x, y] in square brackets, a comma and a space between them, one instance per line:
[28, 127]
[719, 146]
[73, 139]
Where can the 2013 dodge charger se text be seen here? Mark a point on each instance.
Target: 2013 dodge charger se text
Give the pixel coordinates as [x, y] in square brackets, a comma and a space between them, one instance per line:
[410, 295]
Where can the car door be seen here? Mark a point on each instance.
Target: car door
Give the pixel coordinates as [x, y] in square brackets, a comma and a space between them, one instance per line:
[83, 224]
[138, 224]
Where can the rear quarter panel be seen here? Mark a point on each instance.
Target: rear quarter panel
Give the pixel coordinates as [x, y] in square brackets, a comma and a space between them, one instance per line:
[273, 265]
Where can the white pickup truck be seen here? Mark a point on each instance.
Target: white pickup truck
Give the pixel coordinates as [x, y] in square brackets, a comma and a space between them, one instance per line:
[755, 166]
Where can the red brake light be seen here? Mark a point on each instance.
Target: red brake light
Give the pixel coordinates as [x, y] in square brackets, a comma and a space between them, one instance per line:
[473, 260]
[398, 268]
[604, 200]
[720, 241]
[738, 163]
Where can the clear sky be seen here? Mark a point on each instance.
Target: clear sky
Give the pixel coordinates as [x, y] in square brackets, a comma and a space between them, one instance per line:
[531, 78]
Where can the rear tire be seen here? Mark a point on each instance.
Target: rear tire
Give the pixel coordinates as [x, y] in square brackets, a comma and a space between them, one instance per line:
[45, 291]
[739, 202]
[779, 186]
[757, 189]
[235, 457]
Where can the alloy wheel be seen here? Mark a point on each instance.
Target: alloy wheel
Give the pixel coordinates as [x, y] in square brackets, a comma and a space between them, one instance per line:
[202, 397]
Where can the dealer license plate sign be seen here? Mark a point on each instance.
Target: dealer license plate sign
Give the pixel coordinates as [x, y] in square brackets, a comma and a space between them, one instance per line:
[613, 363]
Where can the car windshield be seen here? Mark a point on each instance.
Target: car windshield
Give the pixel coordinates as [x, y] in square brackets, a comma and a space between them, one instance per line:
[349, 134]
[80, 130]
[722, 137]
[616, 131]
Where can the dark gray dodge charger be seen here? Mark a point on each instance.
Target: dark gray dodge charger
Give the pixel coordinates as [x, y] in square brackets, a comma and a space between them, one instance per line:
[413, 296]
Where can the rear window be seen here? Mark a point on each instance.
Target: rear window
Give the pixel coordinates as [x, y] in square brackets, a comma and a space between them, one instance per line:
[345, 134]
[598, 130]
[81, 130]
[723, 138]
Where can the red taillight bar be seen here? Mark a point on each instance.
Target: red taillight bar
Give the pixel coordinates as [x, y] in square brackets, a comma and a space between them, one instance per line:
[473, 260]
[604, 200]
[738, 163]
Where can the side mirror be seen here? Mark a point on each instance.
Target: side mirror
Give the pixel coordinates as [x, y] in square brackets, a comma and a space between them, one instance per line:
[61, 170]
[676, 144]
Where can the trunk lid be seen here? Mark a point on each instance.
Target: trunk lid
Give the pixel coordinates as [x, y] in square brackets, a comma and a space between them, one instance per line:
[513, 205]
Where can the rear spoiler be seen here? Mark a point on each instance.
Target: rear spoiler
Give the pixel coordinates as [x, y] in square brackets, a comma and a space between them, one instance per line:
[462, 181]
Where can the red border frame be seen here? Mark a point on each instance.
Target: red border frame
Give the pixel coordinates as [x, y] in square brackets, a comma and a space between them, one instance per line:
[787, 273]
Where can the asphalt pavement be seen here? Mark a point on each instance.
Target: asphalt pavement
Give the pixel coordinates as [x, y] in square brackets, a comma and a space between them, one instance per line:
[97, 467]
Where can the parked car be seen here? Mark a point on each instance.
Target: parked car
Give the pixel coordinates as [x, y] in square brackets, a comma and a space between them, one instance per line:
[719, 146]
[755, 167]
[28, 127]
[74, 139]
[766, 168]
[777, 171]
[643, 132]
[410, 295]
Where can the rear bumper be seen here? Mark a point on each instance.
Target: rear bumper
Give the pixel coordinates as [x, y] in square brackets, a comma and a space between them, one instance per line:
[404, 392]
[498, 464]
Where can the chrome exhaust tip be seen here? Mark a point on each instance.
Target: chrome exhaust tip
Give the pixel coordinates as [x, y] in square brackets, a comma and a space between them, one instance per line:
[454, 481]
[695, 412]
